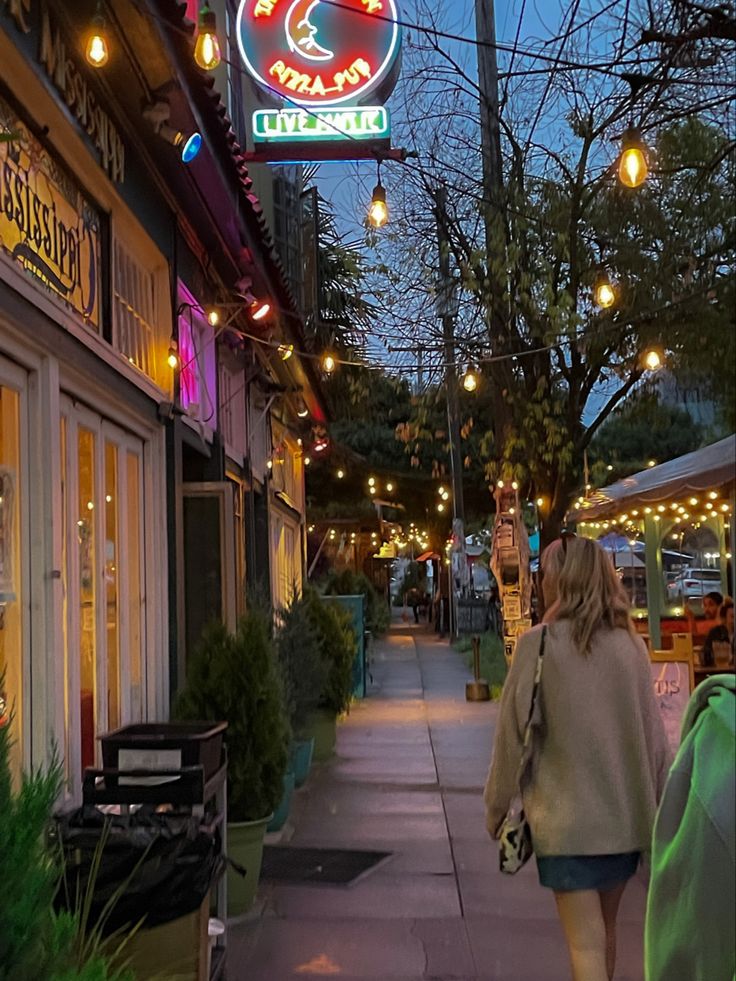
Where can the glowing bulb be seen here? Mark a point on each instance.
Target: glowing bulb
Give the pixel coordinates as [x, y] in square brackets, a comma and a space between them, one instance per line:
[653, 360]
[328, 364]
[378, 211]
[340, 474]
[285, 351]
[441, 507]
[470, 381]
[633, 167]
[173, 356]
[713, 495]
[372, 490]
[652, 463]
[540, 502]
[515, 485]
[207, 47]
[441, 491]
[96, 50]
[307, 461]
[389, 487]
[213, 317]
[605, 294]
[259, 310]
[446, 496]
[500, 484]
[693, 501]
[371, 481]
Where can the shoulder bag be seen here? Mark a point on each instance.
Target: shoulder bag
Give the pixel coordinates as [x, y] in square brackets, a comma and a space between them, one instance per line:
[515, 840]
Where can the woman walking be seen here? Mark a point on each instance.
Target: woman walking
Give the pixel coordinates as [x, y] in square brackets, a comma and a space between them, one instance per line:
[599, 755]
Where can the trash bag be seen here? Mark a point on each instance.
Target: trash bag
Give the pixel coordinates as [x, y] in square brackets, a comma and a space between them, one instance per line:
[148, 866]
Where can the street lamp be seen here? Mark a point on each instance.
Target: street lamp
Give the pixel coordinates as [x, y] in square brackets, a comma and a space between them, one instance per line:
[378, 211]
[653, 360]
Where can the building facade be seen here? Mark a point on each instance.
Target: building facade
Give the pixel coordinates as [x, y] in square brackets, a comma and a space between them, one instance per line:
[139, 497]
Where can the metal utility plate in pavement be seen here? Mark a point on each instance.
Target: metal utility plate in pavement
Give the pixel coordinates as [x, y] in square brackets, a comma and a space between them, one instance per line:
[327, 866]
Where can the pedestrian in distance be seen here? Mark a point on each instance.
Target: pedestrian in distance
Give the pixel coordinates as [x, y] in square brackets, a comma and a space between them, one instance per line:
[412, 600]
[720, 637]
[599, 753]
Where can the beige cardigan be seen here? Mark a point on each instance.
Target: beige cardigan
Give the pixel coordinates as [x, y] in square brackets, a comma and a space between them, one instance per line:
[600, 754]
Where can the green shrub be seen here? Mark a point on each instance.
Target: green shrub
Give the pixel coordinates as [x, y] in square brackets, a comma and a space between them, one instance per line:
[338, 649]
[349, 583]
[303, 669]
[234, 678]
[36, 943]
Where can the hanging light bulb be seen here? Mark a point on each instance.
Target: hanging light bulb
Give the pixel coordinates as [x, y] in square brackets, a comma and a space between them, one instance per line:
[173, 356]
[329, 363]
[213, 317]
[285, 351]
[605, 292]
[378, 211]
[207, 47]
[653, 360]
[633, 166]
[470, 380]
[96, 50]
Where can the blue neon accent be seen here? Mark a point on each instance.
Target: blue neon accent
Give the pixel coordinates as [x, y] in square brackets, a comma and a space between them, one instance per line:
[191, 148]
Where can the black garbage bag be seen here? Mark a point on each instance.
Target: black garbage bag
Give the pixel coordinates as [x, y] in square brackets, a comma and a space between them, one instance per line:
[151, 866]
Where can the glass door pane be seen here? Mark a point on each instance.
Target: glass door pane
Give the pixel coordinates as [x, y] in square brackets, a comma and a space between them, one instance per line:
[134, 585]
[11, 648]
[112, 560]
[87, 593]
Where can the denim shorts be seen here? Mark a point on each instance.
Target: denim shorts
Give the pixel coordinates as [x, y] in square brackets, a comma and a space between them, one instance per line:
[568, 873]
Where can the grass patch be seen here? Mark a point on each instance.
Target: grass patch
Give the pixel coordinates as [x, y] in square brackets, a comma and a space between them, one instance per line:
[492, 661]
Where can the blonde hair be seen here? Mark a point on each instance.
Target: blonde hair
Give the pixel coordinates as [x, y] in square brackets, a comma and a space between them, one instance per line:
[553, 558]
[589, 593]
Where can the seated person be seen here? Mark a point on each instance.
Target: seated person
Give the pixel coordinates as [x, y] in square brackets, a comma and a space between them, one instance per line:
[722, 633]
[711, 605]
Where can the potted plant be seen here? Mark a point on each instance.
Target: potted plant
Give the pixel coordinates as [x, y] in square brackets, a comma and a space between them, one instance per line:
[338, 647]
[304, 672]
[234, 678]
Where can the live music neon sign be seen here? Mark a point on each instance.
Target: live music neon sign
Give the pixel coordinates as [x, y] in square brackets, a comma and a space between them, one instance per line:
[331, 63]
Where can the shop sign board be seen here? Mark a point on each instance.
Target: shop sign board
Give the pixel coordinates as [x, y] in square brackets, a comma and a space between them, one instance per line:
[330, 63]
[47, 225]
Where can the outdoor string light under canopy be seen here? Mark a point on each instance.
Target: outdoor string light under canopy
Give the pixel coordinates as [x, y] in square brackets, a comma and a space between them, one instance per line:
[96, 50]
[207, 47]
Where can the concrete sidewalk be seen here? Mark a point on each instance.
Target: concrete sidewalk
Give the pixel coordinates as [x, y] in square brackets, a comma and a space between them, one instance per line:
[407, 778]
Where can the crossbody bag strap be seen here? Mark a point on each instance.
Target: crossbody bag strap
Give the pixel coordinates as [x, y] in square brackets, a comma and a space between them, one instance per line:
[535, 695]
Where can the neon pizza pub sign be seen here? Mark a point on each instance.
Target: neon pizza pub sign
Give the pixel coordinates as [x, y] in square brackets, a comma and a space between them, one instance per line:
[331, 63]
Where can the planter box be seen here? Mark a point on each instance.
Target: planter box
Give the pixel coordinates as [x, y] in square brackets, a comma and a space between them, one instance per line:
[164, 746]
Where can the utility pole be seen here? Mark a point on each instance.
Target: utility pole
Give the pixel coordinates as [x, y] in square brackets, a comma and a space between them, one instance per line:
[446, 288]
[490, 128]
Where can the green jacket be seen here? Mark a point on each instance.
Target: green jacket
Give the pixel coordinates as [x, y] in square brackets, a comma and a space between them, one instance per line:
[691, 910]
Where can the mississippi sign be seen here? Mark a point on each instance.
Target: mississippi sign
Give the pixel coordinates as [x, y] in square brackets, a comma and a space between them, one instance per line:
[47, 225]
[330, 63]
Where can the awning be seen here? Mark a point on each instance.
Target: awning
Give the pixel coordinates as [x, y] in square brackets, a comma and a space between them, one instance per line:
[709, 468]
[426, 556]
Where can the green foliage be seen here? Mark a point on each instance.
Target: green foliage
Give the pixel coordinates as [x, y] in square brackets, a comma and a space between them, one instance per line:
[641, 430]
[338, 647]
[492, 660]
[235, 678]
[303, 669]
[349, 583]
[37, 944]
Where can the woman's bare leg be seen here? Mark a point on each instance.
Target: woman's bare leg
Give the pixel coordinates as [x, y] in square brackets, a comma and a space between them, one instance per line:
[610, 900]
[582, 920]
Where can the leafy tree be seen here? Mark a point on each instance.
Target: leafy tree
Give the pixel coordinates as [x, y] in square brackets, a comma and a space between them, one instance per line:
[641, 430]
[528, 250]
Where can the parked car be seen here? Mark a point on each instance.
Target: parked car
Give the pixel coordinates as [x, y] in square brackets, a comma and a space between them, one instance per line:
[693, 584]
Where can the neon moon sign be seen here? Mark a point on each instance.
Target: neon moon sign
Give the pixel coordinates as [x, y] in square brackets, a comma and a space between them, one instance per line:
[321, 53]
